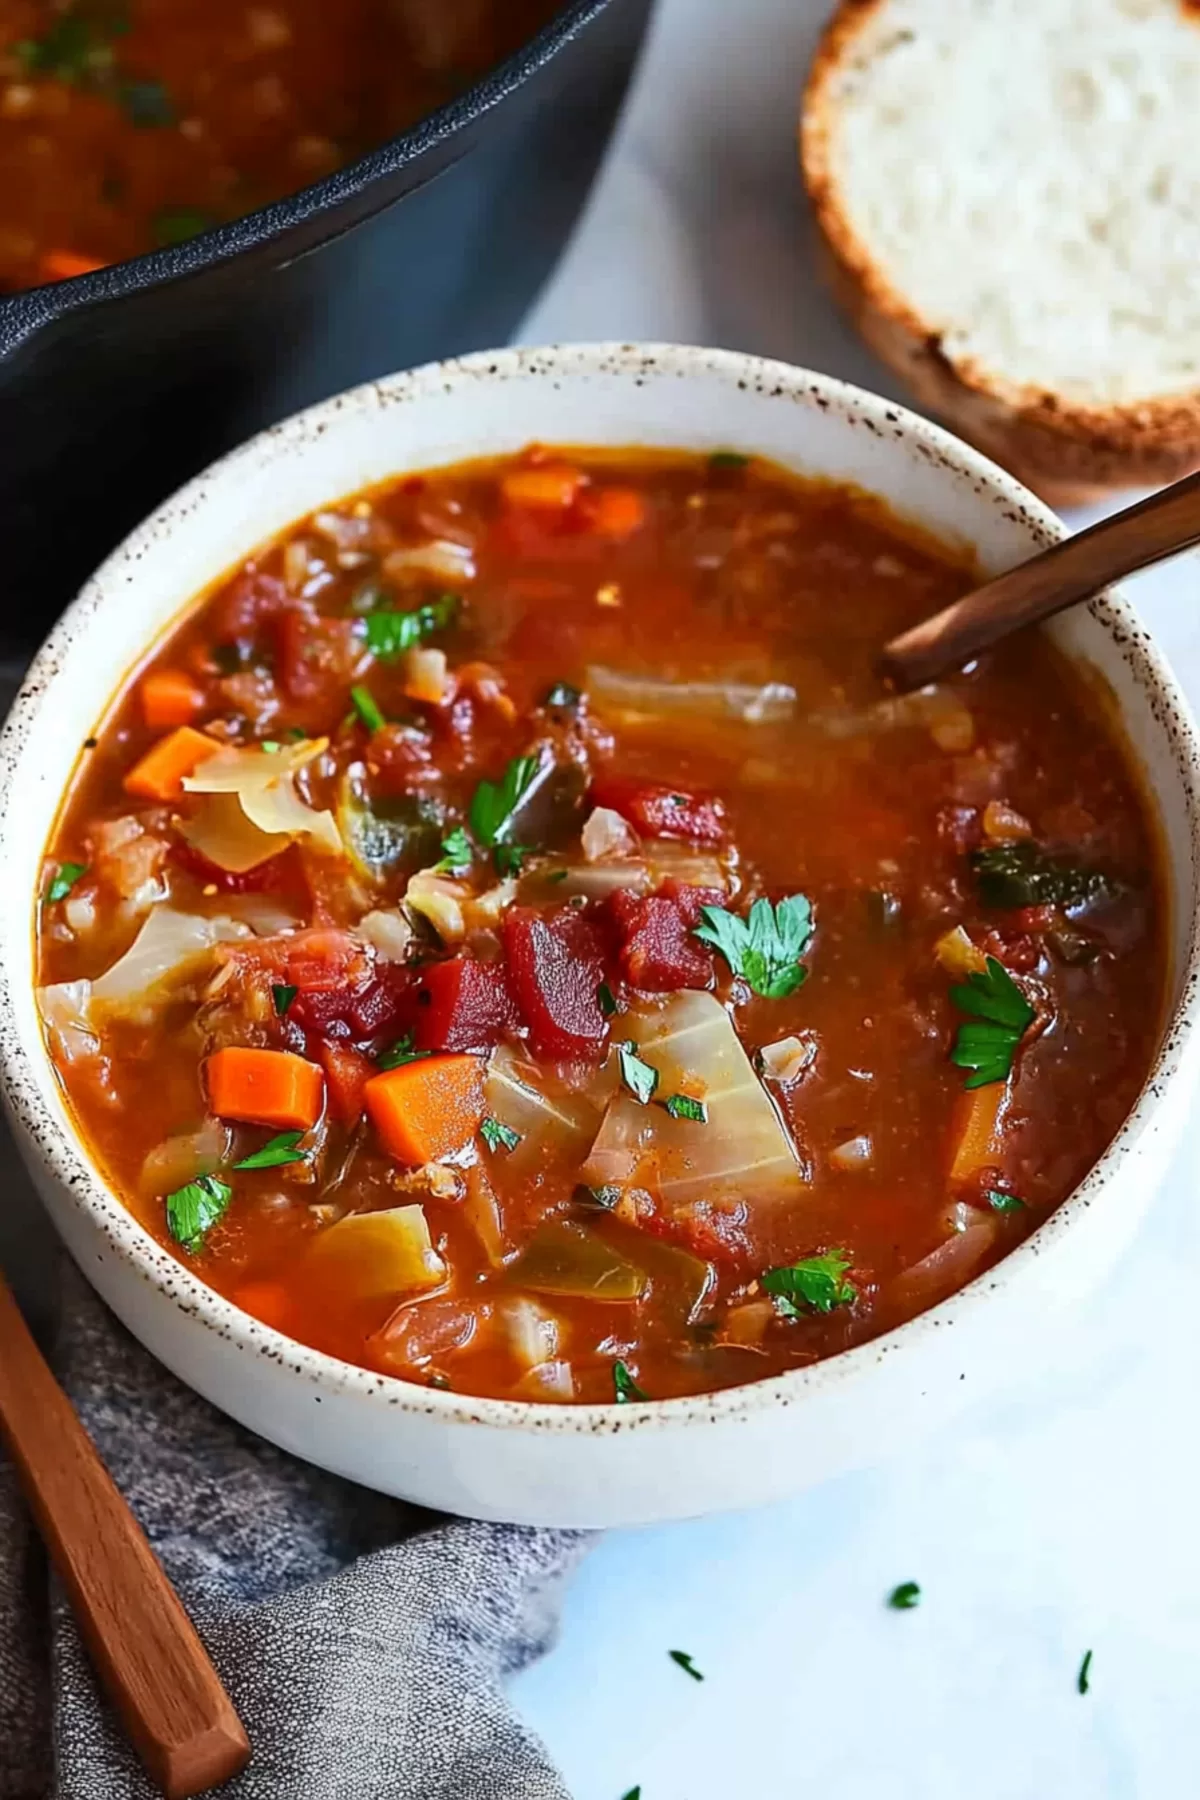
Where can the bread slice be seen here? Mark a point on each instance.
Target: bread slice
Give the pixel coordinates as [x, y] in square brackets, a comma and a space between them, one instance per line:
[1009, 192]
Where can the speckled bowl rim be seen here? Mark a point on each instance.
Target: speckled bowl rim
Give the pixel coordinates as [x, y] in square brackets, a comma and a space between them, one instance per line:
[63, 1152]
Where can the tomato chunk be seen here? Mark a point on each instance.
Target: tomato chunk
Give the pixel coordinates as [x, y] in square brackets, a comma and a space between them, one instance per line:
[347, 1073]
[317, 657]
[463, 1004]
[658, 952]
[556, 965]
[663, 812]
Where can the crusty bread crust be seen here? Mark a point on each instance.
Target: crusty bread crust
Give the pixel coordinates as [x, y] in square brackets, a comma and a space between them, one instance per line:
[1067, 453]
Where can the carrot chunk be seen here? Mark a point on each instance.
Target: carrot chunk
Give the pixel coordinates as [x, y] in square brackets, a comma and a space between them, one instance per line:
[265, 1087]
[616, 512]
[159, 775]
[64, 265]
[426, 1109]
[170, 697]
[552, 485]
[976, 1132]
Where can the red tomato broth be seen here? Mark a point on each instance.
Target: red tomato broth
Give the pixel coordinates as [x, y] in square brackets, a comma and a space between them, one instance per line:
[731, 574]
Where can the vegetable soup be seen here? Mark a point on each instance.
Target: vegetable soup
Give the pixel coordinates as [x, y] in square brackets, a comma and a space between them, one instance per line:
[505, 935]
[129, 124]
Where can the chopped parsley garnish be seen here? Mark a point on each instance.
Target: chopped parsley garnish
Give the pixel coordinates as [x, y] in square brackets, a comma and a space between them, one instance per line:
[766, 948]
[1004, 1203]
[270, 746]
[563, 697]
[497, 1136]
[606, 1196]
[494, 807]
[147, 104]
[71, 50]
[1083, 1679]
[456, 853]
[816, 1284]
[176, 224]
[1000, 1016]
[367, 708]
[274, 1155]
[633, 1794]
[682, 1106]
[68, 874]
[638, 1076]
[625, 1387]
[1017, 875]
[905, 1597]
[558, 874]
[282, 993]
[195, 1208]
[685, 1663]
[390, 634]
[728, 459]
[401, 1052]
[604, 995]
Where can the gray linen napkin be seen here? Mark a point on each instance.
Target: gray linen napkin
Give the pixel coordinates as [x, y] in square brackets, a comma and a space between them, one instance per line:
[364, 1642]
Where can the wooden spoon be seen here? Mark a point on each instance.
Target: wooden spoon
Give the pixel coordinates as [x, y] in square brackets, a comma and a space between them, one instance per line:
[1077, 569]
[143, 1645]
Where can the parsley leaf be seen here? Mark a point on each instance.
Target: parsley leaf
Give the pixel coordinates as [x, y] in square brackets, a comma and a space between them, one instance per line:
[495, 805]
[685, 1663]
[625, 1387]
[68, 874]
[390, 634]
[282, 994]
[1000, 1017]
[816, 1284]
[195, 1208]
[401, 1052]
[456, 853]
[905, 1597]
[509, 858]
[1023, 874]
[1083, 1680]
[638, 1076]
[606, 1001]
[633, 1794]
[766, 948]
[176, 224]
[1003, 1203]
[276, 1153]
[367, 708]
[682, 1106]
[496, 1135]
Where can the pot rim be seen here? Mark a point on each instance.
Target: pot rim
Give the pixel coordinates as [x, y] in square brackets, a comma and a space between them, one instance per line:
[62, 1150]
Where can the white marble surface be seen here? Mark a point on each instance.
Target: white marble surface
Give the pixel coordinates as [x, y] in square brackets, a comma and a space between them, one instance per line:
[1063, 1517]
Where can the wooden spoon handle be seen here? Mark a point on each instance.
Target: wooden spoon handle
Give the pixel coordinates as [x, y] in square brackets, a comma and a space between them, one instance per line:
[1157, 527]
[144, 1647]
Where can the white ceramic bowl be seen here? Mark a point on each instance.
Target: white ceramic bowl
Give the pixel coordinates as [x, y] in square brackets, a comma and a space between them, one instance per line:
[542, 1464]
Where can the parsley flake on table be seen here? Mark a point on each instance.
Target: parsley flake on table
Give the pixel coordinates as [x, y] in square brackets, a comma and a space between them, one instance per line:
[390, 634]
[68, 874]
[275, 1154]
[625, 1387]
[401, 1051]
[1083, 1681]
[494, 807]
[456, 853]
[283, 993]
[497, 1136]
[195, 1208]
[685, 1663]
[815, 1284]
[1000, 1016]
[905, 1597]
[765, 948]
[638, 1076]
[682, 1106]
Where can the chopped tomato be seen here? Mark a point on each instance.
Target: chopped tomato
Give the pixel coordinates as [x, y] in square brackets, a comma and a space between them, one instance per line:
[663, 812]
[463, 1004]
[659, 952]
[556, 965]
[317, 657]
[249, 603]
[347, 1073]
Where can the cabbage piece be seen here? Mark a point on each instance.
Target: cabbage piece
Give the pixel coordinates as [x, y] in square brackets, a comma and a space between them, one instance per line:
[376, 1255]
[263, 784]
[166, 949]
[66, 1013]
[562, 1257]
[220, 831]
[180, 1159]
[550, 1118]
[740, 1156]
[936, 709]
[679, 1281]
[630, 697]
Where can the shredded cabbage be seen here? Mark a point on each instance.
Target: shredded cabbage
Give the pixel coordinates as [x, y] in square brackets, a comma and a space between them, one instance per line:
[618, 693]
[263, 786]
[168, 947]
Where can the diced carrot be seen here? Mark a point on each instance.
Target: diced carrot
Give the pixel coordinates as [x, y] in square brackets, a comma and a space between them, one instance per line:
[976, 1132]
[426, 1109]
[553, 485]
[265, 1087]
[159, 775]
[348, 1072]
[265, 1300]
[616, 512]
[170, 697]
[64, 265]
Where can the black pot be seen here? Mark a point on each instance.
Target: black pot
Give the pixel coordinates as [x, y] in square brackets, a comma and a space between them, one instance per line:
[117, 386]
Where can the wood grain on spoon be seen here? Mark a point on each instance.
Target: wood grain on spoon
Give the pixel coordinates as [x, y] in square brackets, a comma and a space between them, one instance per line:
[144, 1647]
[1077, 569]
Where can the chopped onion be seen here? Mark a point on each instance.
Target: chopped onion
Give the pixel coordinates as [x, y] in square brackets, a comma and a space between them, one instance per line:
[549, 1381]
[441, 558]
[531, 1331]
[606, 834]
[180, 1159]
[947, 1267]
[66, 1012]
[80, 911]
[439, 901]
[265, 789]
[789, 1057]
[640, 696]
[426, 677]
[167, 948]
[368, 1256]
[1003, 824]
[958, 955]
[855, 1154]
[388, 932]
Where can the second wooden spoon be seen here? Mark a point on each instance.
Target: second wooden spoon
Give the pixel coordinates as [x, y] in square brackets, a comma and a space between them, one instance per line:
[1077, 569]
